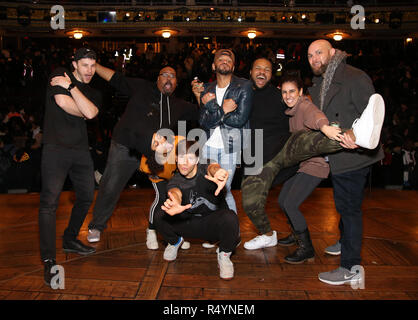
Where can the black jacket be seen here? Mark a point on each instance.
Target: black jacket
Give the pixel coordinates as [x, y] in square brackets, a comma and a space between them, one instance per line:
[347, 97]
[212, 115]
[147, 111]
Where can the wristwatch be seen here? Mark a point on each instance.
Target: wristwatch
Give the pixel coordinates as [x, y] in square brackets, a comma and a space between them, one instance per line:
[72, 85]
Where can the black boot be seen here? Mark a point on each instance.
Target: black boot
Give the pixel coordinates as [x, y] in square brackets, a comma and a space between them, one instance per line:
[48, 264]
[290, 240]
[304, 252]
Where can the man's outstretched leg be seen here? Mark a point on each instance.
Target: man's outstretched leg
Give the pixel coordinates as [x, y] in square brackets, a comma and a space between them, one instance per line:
[300, 146]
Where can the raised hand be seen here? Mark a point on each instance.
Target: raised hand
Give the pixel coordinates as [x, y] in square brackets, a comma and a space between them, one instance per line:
[220, 178]
[172, 205]
[197, 88]
[208, 97]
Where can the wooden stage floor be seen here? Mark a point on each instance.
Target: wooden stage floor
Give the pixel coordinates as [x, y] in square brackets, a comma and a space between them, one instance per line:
[123, 268]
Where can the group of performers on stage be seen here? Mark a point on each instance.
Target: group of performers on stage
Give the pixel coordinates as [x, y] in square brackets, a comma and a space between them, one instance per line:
[336, 128]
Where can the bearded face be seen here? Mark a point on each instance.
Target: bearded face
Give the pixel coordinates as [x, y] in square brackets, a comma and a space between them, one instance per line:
[261, 73]
[319, 56]
[223, 65]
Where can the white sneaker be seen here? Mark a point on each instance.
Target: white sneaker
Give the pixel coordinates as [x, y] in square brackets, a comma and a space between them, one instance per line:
[262, 241]
[93, 236]
[170, 252]
[367, 128]
[152, 242]
[226, 267]
[185, 245]
[208, 245]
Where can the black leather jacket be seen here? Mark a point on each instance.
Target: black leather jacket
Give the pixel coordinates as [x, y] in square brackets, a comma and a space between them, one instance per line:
[231, 124]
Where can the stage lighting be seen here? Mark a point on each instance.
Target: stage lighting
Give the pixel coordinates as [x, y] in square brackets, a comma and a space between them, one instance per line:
[137, 17]
[251, 34]
[106, 16]
[239, 19]
[126, 16]
[293, 19]
[283, 19]
[78, 35]
[166, 34]
[199, 18]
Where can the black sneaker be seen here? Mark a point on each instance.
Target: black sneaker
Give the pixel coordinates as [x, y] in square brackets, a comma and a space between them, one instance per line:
[48, 264]
[76, 246]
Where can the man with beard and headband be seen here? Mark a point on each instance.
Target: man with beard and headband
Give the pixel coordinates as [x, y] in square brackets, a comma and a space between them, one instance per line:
[69, 102]
[225, 105]
[342, 93]
[151, 107]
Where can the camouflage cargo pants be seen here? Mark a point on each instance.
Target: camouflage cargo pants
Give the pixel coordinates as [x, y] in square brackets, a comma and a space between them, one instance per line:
[300, 146]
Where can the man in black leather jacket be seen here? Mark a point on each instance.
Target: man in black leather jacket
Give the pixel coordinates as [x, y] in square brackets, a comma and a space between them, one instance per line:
[225, 108]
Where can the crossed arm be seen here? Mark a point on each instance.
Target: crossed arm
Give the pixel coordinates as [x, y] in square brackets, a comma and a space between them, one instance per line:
[77, 104]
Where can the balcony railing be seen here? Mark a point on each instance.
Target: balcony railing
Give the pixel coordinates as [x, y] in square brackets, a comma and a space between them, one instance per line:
[234, 3]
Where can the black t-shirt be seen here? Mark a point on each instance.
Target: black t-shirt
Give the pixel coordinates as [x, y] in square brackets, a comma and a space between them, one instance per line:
[60, 127]
[268, 114]
[198, 191]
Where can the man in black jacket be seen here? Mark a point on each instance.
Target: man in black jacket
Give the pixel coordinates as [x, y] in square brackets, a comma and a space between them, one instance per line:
[225, 108]
[342, 93]
[151, 107]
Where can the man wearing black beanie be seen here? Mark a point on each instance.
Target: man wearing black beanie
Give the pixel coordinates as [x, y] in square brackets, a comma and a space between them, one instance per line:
[151, 107]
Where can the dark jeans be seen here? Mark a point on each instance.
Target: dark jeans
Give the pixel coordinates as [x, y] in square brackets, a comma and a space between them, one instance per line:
[348, 197]
[57, 163]
[221, 225]
[119, 168]
[294, 192]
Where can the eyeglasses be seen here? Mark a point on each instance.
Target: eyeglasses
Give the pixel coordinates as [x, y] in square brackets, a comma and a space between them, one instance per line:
[167, 75]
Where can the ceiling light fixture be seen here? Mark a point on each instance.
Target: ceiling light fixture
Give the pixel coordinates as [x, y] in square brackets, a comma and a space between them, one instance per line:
[166, 34]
